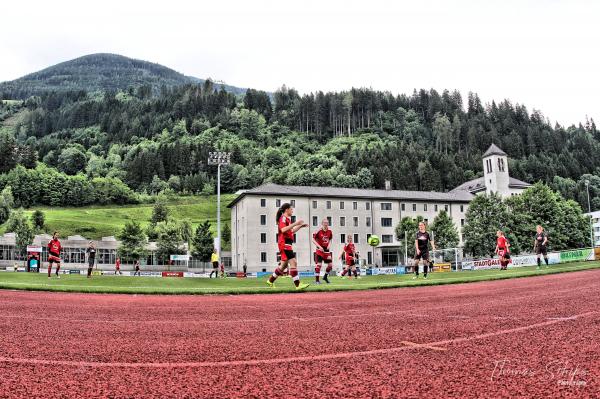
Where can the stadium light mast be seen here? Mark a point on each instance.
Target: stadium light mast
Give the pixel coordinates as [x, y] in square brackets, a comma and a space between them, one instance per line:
[587, 187]
[219, 158]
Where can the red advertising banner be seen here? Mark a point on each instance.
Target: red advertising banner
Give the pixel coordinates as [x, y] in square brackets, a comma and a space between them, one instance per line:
[172, 274]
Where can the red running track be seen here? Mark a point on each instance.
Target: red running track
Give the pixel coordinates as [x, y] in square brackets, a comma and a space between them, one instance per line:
[528, 337]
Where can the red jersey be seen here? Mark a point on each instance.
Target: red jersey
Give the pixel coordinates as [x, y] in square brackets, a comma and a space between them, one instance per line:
[285, 239]
[502, 242]
[349, 250]
[323, 238]
[54, 248]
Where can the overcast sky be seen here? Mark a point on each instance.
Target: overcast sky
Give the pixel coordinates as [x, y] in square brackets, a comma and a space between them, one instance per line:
[544, 54]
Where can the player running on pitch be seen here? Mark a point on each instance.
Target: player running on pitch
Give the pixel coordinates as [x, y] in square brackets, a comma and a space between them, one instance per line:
[422, 249]
[286, 230]
[502, 249]
[540, 246]
[349, 252]
[54, 249]
[322, 239]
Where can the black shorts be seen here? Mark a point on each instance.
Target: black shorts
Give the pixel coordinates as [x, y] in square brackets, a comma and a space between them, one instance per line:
[541, 250]
[423, 255]
[53, 259]
[215, 265]
[287, 255]
[91, 262]
[325, 257]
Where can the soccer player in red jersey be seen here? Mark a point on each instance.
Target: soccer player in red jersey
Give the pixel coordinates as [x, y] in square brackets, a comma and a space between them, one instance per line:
[322, 238]
[349, 252]
[54, 249]
[502, 249]
[118, 266]
[286, 230]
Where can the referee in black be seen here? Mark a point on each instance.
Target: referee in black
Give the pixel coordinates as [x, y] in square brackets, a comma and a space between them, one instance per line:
[422, 242]
[91, 253]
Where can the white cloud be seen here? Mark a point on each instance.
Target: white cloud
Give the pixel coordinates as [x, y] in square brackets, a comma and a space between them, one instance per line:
[543, 54]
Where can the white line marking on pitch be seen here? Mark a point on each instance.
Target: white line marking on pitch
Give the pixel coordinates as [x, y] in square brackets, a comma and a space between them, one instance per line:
[424, 346]
[562, 318]
[258, 362]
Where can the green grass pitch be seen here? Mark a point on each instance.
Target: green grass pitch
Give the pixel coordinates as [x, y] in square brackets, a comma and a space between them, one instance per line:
[231, 285]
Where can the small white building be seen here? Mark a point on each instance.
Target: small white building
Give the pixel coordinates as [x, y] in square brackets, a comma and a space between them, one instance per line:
[357, 212]
[595, 226]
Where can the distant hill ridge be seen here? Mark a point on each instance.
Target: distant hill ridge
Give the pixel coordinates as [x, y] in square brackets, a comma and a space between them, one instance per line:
[98, 72]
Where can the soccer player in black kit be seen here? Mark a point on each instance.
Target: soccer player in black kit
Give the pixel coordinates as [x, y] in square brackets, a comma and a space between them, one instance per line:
[541, 246]
[422, 249]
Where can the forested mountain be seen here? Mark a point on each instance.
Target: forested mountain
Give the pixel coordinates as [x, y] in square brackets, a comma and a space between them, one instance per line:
[103, 72]
[357, 138]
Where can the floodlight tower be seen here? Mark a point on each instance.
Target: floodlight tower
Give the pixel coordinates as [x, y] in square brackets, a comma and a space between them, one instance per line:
[219, 158]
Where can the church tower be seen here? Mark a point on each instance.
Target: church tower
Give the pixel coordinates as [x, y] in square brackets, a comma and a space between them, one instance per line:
[495, 171]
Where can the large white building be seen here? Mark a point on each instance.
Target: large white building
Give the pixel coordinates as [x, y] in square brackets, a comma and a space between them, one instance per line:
[358, 212]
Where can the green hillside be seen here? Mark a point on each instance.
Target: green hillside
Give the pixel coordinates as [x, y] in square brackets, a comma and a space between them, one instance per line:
[95, 222]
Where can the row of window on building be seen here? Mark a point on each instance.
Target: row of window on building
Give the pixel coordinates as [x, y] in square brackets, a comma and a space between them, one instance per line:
[385, 238]
[68, 255]
[74, 255]
[264, 258]
[385, 206]
[489, 165]
[385, 222]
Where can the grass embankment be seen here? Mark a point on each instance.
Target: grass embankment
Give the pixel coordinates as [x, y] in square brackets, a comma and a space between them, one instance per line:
[95, 222]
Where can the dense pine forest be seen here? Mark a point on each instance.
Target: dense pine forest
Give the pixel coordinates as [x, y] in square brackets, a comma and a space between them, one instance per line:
[90, 146]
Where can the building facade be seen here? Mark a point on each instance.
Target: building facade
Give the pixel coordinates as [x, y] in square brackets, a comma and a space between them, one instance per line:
[360, 213]
[357, 212]
[595, 216]
[73, 254]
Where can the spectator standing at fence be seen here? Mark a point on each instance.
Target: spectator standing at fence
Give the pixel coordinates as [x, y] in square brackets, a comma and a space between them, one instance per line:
[91, 254]
[245, 268]
[137, 268]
